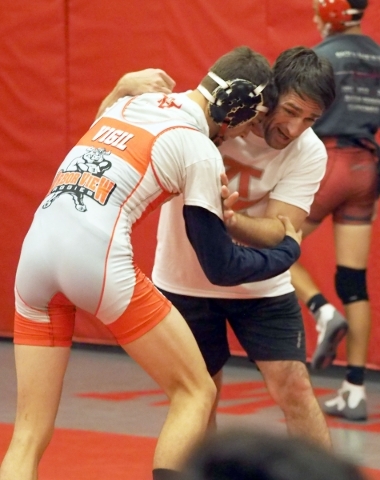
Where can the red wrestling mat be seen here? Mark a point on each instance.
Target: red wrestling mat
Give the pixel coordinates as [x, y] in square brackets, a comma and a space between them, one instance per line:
[78, 454]
[371, 473]
[85, 455]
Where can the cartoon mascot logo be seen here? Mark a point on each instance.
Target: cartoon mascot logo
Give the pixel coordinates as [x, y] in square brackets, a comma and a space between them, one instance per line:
[84, 177]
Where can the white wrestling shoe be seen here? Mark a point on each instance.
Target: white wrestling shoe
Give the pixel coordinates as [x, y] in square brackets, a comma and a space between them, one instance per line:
[350, 403]
[332, 327]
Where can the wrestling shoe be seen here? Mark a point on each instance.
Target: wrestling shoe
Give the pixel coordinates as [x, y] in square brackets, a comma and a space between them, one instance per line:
[350, 403]
[332, 327]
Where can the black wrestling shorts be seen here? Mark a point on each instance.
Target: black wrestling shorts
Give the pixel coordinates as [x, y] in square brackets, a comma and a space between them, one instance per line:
[269, 328]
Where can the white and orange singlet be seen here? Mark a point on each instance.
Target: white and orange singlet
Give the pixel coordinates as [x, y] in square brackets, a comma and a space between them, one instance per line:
[78, 253]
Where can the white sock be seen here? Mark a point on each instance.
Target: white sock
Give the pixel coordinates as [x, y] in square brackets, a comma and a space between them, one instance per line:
[325, 313]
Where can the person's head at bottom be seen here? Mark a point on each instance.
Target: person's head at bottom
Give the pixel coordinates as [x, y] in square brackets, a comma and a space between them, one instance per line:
[241, 454]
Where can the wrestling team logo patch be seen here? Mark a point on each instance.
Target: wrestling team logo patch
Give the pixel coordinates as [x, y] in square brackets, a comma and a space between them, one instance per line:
[84, 177]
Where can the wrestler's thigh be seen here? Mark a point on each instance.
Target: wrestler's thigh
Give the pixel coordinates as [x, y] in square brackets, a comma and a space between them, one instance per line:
[269, 328]
[334, 187]
[169, 354]
[352, 244]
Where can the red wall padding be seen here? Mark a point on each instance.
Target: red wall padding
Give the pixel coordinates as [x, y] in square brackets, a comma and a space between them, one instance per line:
[33, 123]
[60, 58]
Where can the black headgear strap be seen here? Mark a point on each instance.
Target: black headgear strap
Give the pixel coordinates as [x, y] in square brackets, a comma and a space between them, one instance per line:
[234, 102]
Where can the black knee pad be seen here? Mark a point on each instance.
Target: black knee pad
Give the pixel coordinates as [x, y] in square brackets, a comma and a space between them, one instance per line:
[351, 284]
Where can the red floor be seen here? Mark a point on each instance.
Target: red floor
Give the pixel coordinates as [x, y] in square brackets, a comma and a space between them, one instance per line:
[77, 454]
[82, 455]
[111, 414]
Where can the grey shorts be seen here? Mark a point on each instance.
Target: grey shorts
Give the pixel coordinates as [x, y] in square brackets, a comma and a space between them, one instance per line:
[269, 328]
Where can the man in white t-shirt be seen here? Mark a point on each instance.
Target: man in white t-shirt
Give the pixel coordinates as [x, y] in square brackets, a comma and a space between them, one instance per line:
[277, 169]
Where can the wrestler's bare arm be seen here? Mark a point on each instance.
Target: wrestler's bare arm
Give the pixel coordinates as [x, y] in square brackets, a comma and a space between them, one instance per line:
[136, 83]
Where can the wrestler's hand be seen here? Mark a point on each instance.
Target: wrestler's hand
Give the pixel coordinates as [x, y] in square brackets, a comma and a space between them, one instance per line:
[136, 83]
[229, 199]
[290, 230]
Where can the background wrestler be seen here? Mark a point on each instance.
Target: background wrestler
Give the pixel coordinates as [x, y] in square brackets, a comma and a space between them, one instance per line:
[349, 193]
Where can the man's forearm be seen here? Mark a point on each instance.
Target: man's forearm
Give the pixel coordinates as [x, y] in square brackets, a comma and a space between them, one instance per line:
[136, 83]
[256, 231]
[110, 99]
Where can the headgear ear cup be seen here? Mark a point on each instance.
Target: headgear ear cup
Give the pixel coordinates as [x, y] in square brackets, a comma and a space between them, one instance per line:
[337, 14]
[233, 101]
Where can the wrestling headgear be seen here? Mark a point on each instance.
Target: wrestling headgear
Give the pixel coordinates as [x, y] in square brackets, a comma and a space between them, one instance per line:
[337, 14]
[233, 102]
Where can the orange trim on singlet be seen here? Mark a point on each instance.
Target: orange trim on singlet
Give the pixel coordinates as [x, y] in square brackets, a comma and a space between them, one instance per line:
[111, 240]
[58, 332]
[164, 197]
[147, 308]
[140, 159]
[114, 135]
[152, 206]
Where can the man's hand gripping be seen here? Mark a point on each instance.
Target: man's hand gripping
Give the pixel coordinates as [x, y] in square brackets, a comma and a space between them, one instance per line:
[231, 217]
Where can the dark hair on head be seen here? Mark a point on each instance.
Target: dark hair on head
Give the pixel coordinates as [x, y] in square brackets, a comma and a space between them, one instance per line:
[301, 70]
[242, 62]
[360, 5]
[247, 455]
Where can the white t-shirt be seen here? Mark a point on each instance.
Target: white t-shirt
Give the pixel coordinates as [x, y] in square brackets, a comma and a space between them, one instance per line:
[258, 172]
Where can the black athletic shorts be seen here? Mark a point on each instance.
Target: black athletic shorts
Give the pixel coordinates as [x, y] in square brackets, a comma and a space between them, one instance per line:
[269, 328]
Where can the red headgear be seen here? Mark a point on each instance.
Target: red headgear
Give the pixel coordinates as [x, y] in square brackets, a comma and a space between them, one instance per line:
[337, 14]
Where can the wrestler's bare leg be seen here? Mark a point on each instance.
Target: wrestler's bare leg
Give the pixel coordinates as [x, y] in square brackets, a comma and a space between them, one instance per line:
[170, 355]
[352, 245]
[302, 281]
[288, 383]
[218, 380]
[40, 373]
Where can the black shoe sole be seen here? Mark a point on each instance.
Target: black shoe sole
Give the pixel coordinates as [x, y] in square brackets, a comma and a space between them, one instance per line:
[326, 360]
